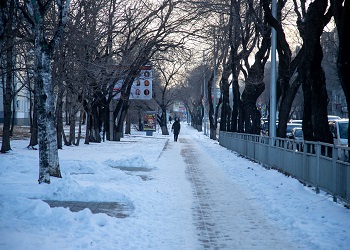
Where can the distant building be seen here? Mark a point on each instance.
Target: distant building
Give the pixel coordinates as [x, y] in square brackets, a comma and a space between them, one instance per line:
[20, 105]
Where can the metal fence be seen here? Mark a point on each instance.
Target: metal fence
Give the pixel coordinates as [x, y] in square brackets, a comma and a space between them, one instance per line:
[321, 165]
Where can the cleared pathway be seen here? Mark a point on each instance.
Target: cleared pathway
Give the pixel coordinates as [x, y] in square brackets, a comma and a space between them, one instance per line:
[223, 216]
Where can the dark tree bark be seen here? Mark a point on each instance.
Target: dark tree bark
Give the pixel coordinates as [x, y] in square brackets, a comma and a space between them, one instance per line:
[88, 124]
[212, 120]
[120, 111]
[286, 68]
[127, 125]
[234, 38]
[97, 120]
[34, 127]
[225, 92]
[72, 120]
[255, 84]
[313, 77]
[252, 115]
[163, 121]
[79, 126]
[8, 98]
[7, 16]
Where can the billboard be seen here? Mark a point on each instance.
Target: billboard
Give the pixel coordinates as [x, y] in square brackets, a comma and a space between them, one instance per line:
[141, 88]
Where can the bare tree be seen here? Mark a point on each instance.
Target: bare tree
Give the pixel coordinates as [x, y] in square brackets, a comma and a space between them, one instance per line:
[169, 68]
[158, 29]
[7, 34]
[47, 38]
[287, 85]
[191, 94]
[311, 25]
[235, 26]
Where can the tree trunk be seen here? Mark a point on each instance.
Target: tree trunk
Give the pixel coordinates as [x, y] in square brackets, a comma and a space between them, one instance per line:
[315, 81]
[288, 90]
[96, 123]
[7, 101]
[88, 125]
[48, 153]
[71, 140]
[120, 123]
[212, 121]
[255, 84]
[121, 109]
[59, 120]
[251, 113]
[225, 91]
[140, 121]
[234, 40]
[286, 67]
[44, 94]
[307, 112]
[237, 113]
[82, 115]
[13, 116]
[34, 127]
[7, 90]
[163, 123]
[285, 108]
[79, 127]
[128, 125]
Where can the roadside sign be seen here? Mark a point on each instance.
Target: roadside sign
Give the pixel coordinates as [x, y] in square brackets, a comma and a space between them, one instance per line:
[150, 121]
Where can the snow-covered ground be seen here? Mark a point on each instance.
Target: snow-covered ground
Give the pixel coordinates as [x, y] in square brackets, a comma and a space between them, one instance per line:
[162, 198]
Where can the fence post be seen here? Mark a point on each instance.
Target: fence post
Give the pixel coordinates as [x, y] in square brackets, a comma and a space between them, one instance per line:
[318, 152]
[304, 161]
[334, 169]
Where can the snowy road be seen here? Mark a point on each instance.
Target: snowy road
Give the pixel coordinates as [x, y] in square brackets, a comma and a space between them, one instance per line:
[223, 216]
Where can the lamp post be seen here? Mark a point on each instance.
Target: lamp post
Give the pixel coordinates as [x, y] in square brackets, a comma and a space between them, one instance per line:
[272, 125]
[204, 98]
[214, 80]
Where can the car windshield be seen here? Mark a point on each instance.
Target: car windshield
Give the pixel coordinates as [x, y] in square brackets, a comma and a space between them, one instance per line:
[343, 130]
[291, 126]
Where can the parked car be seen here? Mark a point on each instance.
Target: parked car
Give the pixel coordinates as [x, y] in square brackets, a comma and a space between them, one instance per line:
[297, 134]
[339, 129]
[333, 117]
[264, 127]
[296, 121]
[290, 126]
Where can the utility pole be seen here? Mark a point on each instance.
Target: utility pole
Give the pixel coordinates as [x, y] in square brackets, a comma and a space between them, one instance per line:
[214, 80]
[204, 98]
[272, 122]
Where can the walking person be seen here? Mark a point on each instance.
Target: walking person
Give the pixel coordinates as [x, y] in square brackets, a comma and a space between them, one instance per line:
[170, 119]
[176, 128]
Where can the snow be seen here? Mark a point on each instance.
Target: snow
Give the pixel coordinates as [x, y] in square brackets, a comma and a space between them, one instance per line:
[163, 205]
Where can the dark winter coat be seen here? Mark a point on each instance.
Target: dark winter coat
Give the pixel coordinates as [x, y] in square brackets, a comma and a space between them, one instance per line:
[176, 127]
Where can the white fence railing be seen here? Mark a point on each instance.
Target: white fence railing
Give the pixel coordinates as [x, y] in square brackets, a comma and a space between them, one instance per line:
[321, 165]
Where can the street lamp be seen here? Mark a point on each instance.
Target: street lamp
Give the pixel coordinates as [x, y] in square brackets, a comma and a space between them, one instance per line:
[214, 80]
[272, 125]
